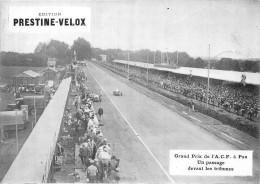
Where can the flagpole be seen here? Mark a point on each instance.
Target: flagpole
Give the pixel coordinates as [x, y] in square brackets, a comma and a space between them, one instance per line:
[208, 79]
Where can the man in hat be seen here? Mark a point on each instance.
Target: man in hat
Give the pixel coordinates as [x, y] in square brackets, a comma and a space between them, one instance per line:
[92, 172]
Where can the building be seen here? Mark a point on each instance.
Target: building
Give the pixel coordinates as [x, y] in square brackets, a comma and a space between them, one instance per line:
[49, 74]
[51, 63]
[25, 78]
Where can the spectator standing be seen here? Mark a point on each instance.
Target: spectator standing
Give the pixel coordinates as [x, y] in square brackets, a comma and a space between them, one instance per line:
[76, 103]
[99, 166]
[100, 112]
[83, 152]
[92, 172]
[192, 105]
[100, 94]
[60, 148]
[81, 156]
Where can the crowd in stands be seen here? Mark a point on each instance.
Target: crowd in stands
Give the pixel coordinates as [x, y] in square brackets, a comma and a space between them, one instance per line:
[85, 129]
[239, 99]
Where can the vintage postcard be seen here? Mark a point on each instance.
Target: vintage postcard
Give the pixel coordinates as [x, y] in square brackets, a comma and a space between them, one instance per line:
[129, 91]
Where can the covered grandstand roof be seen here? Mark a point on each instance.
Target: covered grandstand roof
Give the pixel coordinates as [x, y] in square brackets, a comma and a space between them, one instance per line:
[225, 75]
[28, 73]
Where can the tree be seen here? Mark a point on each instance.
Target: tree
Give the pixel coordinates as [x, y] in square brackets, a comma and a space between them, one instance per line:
[40, 49]
[82, 48]
[54, 49]
[17, 59]
[198, 63]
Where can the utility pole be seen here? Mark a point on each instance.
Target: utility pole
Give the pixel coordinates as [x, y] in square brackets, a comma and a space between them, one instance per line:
[154, 57]
[16, 132]
[125, 61]
[167, 58]
[128, 67]
[147, 70]
[177, 59]
[208, 79]
[161, 57]
[35, 113]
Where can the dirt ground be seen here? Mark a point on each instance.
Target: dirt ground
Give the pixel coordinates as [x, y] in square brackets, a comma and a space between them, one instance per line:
[64, 174]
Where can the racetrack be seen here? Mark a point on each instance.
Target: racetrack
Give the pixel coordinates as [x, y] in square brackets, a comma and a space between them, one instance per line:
[142, 131]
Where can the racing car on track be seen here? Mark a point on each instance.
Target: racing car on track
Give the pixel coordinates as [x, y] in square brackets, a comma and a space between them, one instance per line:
[116, 92]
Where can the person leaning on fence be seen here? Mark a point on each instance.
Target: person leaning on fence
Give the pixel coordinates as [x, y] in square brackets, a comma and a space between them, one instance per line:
[92, 172]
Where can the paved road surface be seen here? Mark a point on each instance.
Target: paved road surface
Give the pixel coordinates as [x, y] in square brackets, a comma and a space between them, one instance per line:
[145, 158]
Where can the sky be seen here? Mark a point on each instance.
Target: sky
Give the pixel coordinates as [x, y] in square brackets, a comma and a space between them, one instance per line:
[230, 27]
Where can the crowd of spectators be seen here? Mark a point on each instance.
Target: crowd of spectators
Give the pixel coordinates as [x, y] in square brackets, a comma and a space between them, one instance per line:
[84, 127]
[235, 98]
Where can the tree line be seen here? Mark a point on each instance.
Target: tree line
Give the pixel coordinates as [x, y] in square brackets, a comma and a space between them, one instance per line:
[84, 51]
[178, 59]
[53, 49]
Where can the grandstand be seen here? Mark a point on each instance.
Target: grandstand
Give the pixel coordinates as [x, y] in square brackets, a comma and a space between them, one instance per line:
[230, 101]
[231, 76]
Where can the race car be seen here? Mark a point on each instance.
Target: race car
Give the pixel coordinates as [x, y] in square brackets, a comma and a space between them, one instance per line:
[117, 93]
